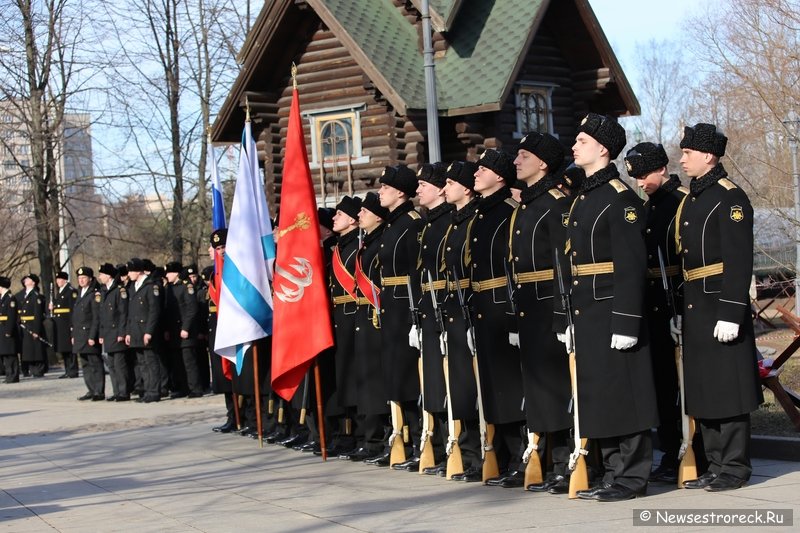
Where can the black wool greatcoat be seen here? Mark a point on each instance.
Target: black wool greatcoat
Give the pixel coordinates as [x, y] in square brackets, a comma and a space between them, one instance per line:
[538, 232]
[616, 394]
[181, 313]
[431, 245]
[9, 339]
[397, 256]
[716, 226]
[144, 311]
[344, 319]
[463, 392]
[219, 383]
[63, 302]
[113, 317]
[660, 209]
[31, 317]
[86, 320]
[487, 259]
[372, 391]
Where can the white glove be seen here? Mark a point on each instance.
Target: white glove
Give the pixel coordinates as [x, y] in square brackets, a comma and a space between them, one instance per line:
[726, 331]
[443, 342]
[676, 328]
[622, 342]
[513, 339]
[470, 336]
[566, 338]
[413, 337]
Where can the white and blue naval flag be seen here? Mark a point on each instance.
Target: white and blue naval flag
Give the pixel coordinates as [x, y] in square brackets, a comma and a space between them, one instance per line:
[245, 307]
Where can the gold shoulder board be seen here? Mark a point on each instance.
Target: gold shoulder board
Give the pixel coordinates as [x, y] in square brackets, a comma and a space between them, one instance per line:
[618, 185]
[414, 215]
[556, 193]
[683, 189]
[511, 202]
[728, 184]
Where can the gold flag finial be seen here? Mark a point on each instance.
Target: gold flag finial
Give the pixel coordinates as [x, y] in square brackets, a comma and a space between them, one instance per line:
[294, 76]
[247, 108]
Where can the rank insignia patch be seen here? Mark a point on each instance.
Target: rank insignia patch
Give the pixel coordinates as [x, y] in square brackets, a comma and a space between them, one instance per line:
[123, 293]
[12, 303]
[631, 215]
[737, 215]
[190, 288]
[97, 297]
[565, 219]
[155, 290]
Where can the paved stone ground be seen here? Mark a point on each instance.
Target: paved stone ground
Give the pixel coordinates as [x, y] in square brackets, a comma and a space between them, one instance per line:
[82, 466]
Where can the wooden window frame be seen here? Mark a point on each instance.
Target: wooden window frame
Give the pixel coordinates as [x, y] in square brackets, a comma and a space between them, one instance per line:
[319, 118]
[522, 89]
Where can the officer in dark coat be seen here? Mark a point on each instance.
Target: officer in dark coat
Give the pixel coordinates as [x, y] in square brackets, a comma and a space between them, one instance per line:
[9, 334]
[431, 196]
[31, 319]
[397, 256]
[220, 383]
[538, 232]
[344, 299]
[141, 333]
[458, 191]
[606, 249]
[61, 309]
[715, 232]
[192, 275]
[113, 318]
[180, 333]
[486, 256]
[647, 163]
[372, 393]
[85, 334]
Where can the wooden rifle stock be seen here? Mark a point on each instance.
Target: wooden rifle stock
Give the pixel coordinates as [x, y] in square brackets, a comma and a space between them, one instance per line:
[687, 470]
[398, 449]
[455, 463]
[533, 466]
[490, 468]
[579, 478]
[426, 459]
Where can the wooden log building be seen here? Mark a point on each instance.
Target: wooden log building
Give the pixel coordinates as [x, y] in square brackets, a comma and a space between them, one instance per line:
[503, 68]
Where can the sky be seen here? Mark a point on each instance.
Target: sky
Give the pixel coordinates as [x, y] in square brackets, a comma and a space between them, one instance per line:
[631, 23]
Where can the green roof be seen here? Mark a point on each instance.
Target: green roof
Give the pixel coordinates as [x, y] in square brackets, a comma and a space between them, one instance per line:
[484, 48]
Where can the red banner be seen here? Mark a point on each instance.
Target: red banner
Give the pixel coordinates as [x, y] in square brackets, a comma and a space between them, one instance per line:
[302, 318]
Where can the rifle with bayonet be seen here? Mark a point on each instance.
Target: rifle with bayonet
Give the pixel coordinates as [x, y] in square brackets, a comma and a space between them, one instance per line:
[579, 478]
[533, 464]
[426, 459]
[687, 469]
[396, 445]
[490, 466]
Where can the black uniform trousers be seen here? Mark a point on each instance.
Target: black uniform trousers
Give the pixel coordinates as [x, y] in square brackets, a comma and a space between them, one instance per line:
[149, 365]
[121, 374]
[727, 445]
[11, 365]
[70, 364]
[628, 459]
[94, 373]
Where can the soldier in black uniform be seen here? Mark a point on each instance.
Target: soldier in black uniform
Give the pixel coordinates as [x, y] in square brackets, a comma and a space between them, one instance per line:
[458, 191]
[9, 334]
[538, 232]
[141, 332]
[437, 220]
[371, 390]
[61, 308]
[113, 318]
[397, 256]
[85, 334]
[606, 248]
[486, 256]
[201, 354]
[715, 235]
[344, 299]
[647, 163]
[180, 333]
[31, 318]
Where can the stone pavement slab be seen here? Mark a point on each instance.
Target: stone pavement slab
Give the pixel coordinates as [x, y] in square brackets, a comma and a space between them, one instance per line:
[74, 466]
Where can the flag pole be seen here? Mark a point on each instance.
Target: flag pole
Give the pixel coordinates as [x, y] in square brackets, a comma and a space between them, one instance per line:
[320, 418]
[258, 395]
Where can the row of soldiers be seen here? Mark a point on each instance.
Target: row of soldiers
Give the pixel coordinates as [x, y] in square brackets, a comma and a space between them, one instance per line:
[452, 330]
[147, 325]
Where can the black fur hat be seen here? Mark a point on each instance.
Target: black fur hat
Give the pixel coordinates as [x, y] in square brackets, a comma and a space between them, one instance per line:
[704, 138]
[644, 158]
[401, 178]
[500, 163]
[350, 206]
[545, 147]
[373, 204]
[605, 130]
[462, 172]
[433, 173]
